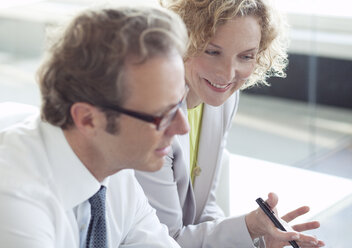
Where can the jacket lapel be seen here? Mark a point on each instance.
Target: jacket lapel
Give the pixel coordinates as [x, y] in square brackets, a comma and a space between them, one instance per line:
[208, 154]
[215, 123]
[184, 184]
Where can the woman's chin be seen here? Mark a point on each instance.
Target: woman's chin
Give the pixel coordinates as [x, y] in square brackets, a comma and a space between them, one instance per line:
[215, 102]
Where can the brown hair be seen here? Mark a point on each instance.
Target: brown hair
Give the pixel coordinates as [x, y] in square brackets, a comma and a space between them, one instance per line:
[203, 17]
[86, 63]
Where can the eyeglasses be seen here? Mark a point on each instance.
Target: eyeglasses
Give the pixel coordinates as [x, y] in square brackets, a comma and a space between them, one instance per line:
[161, 122]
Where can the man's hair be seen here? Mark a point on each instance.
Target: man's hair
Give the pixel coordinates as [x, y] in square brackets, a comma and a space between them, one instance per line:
[203, 17]
[86, 63]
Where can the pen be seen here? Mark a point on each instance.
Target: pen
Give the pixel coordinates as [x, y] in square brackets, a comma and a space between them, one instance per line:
[270, 213]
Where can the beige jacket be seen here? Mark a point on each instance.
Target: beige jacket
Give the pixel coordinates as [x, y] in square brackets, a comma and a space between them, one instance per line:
[191, 213]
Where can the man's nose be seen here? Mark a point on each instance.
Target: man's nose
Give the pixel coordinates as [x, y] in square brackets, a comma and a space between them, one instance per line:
[179, 125]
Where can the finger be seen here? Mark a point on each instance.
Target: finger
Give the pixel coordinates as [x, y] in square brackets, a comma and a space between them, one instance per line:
[321, 243]
[304, 245]
[308, 240]
[304, 239]
[307, 245]
[295, 213]
[306, 226]
[283, 236]
[301, 244]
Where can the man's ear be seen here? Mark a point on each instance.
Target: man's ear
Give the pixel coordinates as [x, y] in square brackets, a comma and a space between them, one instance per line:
[85, 116]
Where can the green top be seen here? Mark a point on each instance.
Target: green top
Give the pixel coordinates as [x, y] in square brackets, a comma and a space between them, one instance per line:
[195, 122]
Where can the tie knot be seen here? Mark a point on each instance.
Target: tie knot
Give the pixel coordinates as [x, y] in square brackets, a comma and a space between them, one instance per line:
[97, 201]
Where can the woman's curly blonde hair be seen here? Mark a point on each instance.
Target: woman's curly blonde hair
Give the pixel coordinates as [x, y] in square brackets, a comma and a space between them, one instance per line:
[203, 17]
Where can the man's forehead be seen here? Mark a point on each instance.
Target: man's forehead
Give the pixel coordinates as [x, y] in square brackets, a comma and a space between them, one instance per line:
[156, 81]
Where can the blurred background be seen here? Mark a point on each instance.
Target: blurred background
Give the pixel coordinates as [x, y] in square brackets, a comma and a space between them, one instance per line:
[303, 121]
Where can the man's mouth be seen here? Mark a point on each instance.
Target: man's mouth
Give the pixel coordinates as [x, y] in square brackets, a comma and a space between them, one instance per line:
[163, 151]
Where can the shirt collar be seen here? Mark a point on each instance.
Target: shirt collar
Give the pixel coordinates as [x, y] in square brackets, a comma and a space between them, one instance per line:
[74, 182]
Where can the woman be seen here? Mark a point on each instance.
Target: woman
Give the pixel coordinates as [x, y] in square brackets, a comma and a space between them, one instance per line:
[234, 44]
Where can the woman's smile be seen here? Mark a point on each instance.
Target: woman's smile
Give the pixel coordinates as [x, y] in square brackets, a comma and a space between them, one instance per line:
[218, 87]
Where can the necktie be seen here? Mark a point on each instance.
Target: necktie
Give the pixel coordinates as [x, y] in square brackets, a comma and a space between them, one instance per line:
[96, 236]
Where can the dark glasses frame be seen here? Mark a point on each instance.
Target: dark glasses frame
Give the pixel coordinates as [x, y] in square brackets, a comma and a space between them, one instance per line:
[161, 122]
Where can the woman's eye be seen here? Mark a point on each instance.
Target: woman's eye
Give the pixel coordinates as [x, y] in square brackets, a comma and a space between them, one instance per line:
[248, 57]
[212, 52]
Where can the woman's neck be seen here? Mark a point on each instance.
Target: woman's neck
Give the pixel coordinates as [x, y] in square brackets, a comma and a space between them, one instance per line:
[192, 99]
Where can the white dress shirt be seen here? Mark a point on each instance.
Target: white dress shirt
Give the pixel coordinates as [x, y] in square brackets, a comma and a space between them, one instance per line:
[44, 192]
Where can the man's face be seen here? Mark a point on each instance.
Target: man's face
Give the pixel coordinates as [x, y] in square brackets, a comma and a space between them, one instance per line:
[154, 87]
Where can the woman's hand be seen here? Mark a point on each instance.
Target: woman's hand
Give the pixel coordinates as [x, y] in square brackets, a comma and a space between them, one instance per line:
[260, 225]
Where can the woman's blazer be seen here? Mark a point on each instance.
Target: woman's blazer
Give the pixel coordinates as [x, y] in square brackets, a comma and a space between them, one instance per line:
[191, 213]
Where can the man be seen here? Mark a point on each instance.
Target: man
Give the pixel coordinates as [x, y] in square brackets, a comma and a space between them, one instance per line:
[111, 90]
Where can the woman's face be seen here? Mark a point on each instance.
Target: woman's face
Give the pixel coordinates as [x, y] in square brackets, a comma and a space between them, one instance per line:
[226, 64]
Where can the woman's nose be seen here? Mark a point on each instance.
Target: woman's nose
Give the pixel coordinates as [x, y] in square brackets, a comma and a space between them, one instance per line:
[227, 71]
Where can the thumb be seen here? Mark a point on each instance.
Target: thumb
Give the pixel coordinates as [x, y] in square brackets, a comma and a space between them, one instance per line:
[272, 200]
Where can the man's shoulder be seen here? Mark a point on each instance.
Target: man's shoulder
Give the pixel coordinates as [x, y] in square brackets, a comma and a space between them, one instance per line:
[24, 184]
[12, 113]
[18, 141]
[21, 153]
